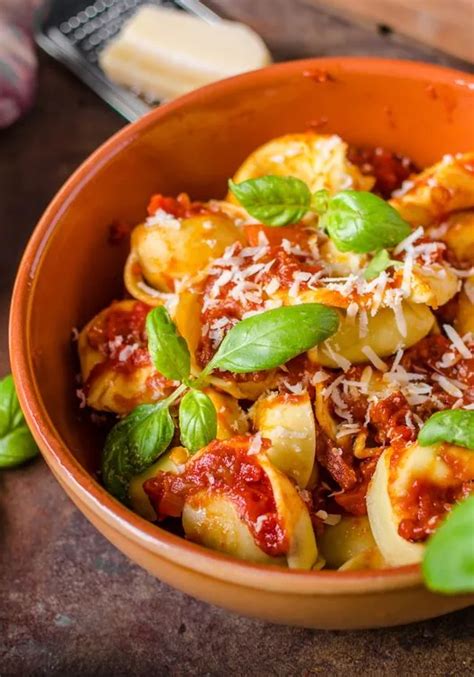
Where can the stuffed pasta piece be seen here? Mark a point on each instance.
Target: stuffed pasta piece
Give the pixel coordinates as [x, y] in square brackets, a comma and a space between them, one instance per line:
[232, 499]
[116, 368]
[412, 489]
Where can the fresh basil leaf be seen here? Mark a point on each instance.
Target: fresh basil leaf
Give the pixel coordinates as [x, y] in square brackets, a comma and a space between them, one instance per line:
[273, 200]
[16, 442]
[358, 221]
[455, 426]
[133, 444]
[168, 349]
[320, 201]
[378, 264]
[197, 420]
[448, 564]
[267, 340]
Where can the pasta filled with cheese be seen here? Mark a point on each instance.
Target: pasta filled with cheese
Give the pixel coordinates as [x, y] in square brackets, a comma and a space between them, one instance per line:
[115, 365]
[249, 510]
[405, 485]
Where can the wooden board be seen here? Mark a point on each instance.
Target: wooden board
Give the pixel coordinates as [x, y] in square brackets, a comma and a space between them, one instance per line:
[447, 25]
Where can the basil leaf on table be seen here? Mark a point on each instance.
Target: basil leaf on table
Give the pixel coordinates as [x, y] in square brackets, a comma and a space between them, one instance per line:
[168, 349]
[358, 221]
[133, 444]
[273, 200]
[16, 442]
[378, 264]
[267, 340]
[455, 426]
[448, 564]
[197, 420]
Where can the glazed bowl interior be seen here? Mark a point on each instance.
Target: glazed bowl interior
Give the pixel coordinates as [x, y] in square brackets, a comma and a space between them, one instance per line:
[71, 270]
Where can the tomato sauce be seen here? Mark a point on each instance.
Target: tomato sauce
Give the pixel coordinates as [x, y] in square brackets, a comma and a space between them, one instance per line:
[180, 207]
[425, 358]
[119, 334]
[389, 169]
[427, 504]
[389, 418]
[225, 468]
[353, 500]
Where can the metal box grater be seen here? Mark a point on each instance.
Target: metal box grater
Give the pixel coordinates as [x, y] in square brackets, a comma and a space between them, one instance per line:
[75, 31]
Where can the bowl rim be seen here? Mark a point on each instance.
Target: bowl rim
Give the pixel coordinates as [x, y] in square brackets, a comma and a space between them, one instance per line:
[60, 459]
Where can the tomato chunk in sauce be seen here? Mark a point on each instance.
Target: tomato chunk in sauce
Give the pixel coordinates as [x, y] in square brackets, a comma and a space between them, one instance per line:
[226, 468]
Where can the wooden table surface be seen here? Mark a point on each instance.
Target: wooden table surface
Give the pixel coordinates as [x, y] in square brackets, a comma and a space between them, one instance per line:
[70, 603]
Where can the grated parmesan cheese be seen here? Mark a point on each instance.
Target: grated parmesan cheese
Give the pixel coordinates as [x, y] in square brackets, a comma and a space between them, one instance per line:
[457, 341]
[409, 240]
[374, 358]
[255, 445]
[447, 385]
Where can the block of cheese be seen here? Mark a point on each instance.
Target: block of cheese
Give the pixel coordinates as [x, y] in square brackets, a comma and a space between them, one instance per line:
[162, 53]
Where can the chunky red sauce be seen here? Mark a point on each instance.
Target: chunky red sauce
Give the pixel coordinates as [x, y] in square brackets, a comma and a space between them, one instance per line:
[427, 504]
[180, 207]
[119, 334]
[389, 169]
[351, 475]
[426, 357]
[225, 468]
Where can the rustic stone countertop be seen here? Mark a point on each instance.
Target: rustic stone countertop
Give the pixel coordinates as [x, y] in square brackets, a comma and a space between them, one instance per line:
[70, 603]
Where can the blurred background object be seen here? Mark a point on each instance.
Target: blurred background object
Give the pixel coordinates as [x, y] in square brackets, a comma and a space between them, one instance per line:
[444, 24]
[18, 63]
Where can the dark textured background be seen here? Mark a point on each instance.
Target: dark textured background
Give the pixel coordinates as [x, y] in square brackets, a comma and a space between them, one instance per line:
[70, 603]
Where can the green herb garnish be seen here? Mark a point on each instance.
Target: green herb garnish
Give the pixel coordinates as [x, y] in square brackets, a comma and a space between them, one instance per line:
[448, 564]
[261, 342]
[267, 340]
[197, 420]
[455, 426]
[274, 200]
[16, 442]
[378, 264]
[356, 221]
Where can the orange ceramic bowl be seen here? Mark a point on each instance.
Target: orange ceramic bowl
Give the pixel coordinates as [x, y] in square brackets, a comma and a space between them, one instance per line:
[70, 271]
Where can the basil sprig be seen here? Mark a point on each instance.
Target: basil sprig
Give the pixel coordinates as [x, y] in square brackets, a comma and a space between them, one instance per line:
[267, 340]
[197, 420]
[16, 442]
[274, 200]
[455, 426]
[378, 264]
[356, 221]
[135, 443]
[168, 350]
[448, 563]
[257, 343]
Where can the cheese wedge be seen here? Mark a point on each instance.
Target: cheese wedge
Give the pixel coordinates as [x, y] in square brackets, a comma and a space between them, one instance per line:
[162, 53]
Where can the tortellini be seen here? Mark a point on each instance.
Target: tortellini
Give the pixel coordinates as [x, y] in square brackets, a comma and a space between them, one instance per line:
[235, 501]
[465, 312]
[287, 420]
[458, 233]
[349, 545]
[434, 286]
[318, 160]
[115, 365]
[383, 336]
[392, 494]
[445, 187]
[165, 250]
